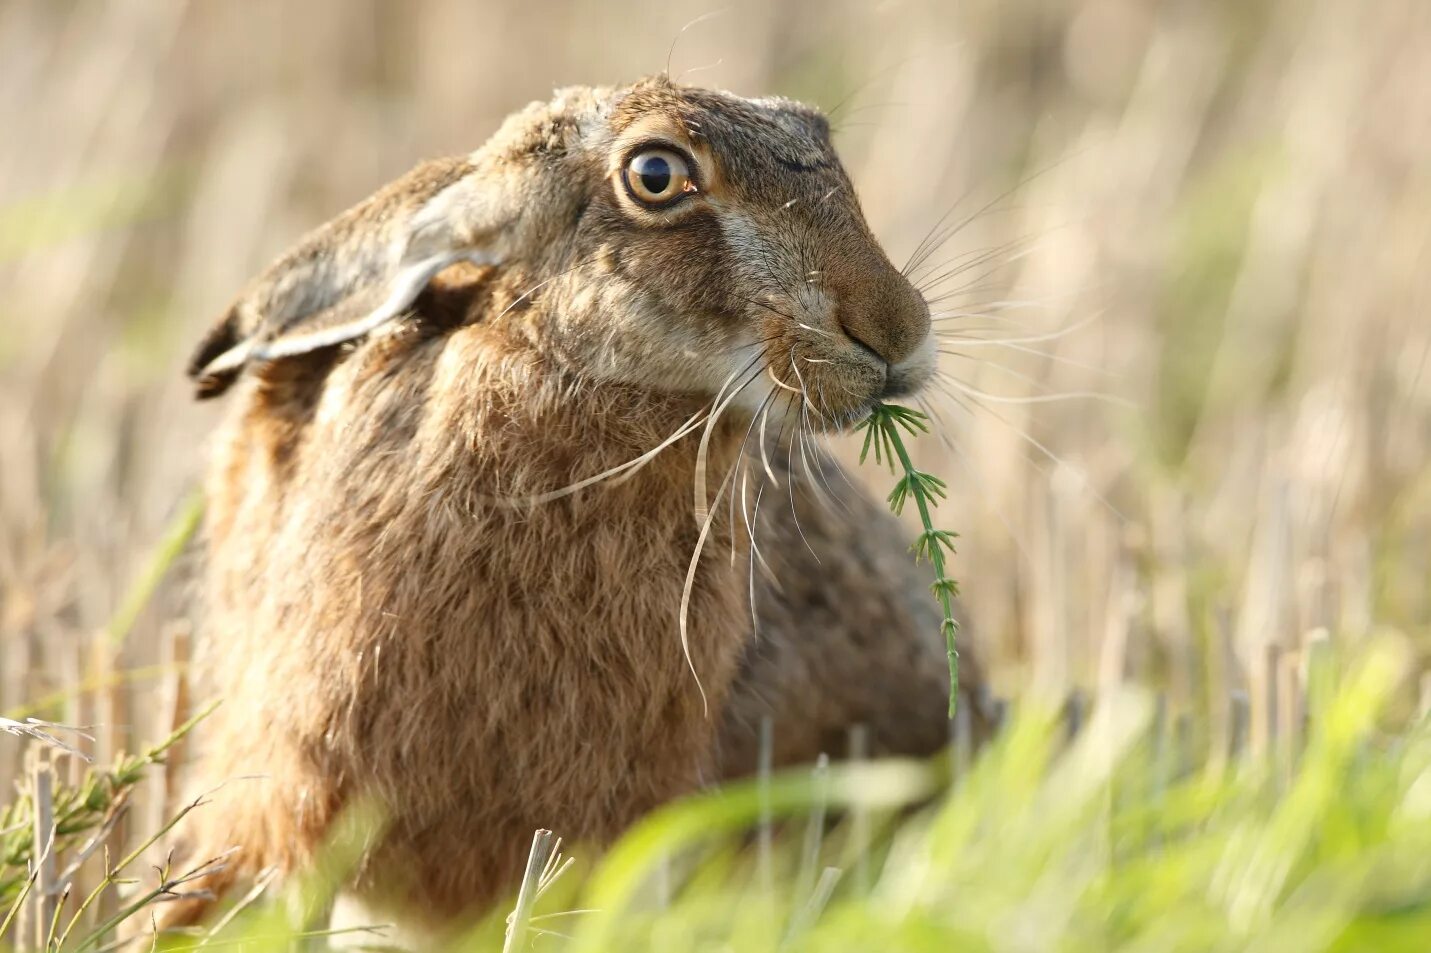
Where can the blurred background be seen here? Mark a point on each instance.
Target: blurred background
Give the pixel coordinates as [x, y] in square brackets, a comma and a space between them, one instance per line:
[1185, 312]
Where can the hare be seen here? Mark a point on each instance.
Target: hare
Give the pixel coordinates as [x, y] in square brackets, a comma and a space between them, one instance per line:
[515, 520]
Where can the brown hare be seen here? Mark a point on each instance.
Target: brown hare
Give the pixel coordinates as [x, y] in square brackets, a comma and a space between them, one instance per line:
[482, 425]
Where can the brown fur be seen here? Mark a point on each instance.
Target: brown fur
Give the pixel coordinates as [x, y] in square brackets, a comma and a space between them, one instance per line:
[388, 620]
[844, 634]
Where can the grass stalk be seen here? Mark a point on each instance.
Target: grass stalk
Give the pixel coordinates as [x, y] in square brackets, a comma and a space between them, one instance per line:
[543, 850]
[181, 529]
[882, 435]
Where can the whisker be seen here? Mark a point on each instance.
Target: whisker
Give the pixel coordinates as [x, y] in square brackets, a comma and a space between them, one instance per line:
[616, 474]
[1034, 442]
[1032, 398]
[743, 455]
[751, 523]
[703, 451]
[985, 498]
[803, 436]
[934, 242]
[802, 443]
[967, 262]
[834, 111]
[748, 517]
[959, 295]
[980, 283]
[821, 471]
[926, 248]
[1004, 256]
[543, 283]
[710, 14]
[988, 309]
[958, 351]
[790, 472]
[1035, 339]
[778, 382]
[764, 459]
[688, 587]
[624, 471]
[767, 306]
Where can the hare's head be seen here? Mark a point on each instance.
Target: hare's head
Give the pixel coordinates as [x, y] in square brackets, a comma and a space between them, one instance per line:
[675, 238]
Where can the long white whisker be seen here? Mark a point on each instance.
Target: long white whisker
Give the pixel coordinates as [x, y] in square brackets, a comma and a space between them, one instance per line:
[1036, 398]
[957, 350]
[986, 499]
[689, 586]
[544, 282]
[764, 458]
[744, 457]
[802, 434]
[622, 471]
[703, 451]
[616, 474]
[747, 516]
[790, 472]
[751, 522]
[972, 260]
[778, 382]
[807, 327]
[1033, 441]
[986, 309]
[819, 476]
[1033, 339]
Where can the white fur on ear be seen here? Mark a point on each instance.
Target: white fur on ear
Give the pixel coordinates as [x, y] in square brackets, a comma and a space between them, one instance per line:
[357, 273]
[406, 285]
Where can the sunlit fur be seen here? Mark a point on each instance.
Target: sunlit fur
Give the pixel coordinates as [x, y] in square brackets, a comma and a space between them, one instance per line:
[392, 616]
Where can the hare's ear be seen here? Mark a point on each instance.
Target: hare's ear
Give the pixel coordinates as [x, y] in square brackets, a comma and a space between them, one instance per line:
[356, 273]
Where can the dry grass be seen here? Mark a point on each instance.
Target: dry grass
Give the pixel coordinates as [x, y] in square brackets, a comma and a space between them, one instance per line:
[1218, 214]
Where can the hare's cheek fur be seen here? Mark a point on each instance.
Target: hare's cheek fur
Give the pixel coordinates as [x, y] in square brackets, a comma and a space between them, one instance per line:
[741, 302]
[838, 326]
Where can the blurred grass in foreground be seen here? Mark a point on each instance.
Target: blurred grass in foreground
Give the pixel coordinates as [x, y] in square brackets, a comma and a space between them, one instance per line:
[1125, 836]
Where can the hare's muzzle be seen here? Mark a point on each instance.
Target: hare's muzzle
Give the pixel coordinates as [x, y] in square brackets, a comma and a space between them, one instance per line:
[888, 321]
[910, 374]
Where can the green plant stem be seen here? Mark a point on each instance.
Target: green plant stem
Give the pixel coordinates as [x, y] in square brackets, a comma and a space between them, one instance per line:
[942, 590]
[882, 435]
[181, 529]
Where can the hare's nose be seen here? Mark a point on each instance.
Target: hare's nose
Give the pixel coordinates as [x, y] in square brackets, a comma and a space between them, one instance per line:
[886, 318]
[877, 307]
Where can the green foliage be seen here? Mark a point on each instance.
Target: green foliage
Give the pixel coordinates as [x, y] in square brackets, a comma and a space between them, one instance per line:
[882, 435]
[80, 812]
[1119, 839]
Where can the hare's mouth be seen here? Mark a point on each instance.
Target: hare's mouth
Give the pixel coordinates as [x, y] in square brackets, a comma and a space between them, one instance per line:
[823, 370]
[845, 391]
[828, 389]
[907, 377]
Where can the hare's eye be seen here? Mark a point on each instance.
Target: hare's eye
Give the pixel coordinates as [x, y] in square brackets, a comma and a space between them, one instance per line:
[658, 177]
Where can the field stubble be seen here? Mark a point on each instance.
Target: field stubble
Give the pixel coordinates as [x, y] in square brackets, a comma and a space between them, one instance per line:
[1216, 216]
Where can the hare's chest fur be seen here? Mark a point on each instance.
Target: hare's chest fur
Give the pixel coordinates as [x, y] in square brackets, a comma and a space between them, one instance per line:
[385, 624]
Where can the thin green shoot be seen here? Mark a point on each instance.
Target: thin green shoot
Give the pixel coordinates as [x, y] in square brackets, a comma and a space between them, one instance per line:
[883, 435]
